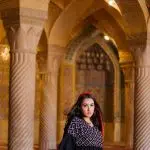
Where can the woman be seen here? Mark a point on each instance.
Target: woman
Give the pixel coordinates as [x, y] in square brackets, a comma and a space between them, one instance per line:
[83, 130]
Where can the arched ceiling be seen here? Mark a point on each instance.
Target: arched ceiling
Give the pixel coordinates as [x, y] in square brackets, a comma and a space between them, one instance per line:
[110, 27]
[67, 18]
[75, 14]
[116, 15]
[20, 6]
[53, 13]
[133, 15]
[144, 7]
[42, 45]
[61, 3]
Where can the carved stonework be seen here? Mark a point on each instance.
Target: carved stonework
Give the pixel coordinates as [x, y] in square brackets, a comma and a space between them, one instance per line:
[139, 53]
[48, 128]
[135, 21]
[142, 108]
[89, 31]
[8, 4]
[13, 16]
[55, 55]
[23, 38]
[128, 103]
[137, 39]
[125, 57]
[142, 103]
[128, 72]
[75, 50]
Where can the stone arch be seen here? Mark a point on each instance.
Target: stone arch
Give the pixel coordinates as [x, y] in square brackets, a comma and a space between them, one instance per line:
[42, 50]
[84, 43]
[61, 30]
[111, 27]
[42, 45]
[136, 22]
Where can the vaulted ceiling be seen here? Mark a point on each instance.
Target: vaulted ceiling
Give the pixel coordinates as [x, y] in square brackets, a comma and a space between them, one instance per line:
[122, 20]
[123, 24]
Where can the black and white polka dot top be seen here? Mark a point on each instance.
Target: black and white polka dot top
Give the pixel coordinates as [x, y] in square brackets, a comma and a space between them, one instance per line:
[81, 136]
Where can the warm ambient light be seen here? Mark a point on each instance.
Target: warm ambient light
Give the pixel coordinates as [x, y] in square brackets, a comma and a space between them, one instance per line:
[111, 2]
[106, 38]
[5, 53]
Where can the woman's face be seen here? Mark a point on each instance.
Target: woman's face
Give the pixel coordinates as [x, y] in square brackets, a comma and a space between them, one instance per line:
[88, 107]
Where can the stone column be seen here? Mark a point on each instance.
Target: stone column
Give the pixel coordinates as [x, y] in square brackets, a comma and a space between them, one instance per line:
[24, 28]
[128, 67]
[142, 99]
[48, 126]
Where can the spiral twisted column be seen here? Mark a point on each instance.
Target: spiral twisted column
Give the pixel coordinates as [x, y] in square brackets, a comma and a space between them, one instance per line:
[142, 109]
[22, 95]
[44, 116]
[48, 125]
[23, 35]
[142, 100]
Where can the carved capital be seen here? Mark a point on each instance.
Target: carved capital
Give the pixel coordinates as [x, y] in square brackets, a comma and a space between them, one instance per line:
[138, 39]
[24, 38]
[140, 54]
[55, 49]
[137, 47]
[24, 27]
[55, 56]
[117, 117]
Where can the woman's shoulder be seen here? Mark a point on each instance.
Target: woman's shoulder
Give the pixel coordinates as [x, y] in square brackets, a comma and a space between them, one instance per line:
[76, 121]
[75, 125]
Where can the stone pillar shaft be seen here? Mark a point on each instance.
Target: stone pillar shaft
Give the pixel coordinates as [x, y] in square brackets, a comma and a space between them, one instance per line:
[44, 118]
[48, 126]
[22, 95]
[48, 122]
[142, 109]
[142, 99]
[23, 31]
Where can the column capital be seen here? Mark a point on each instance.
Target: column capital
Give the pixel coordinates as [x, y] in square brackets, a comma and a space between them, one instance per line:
[23, 38]
[141, 54]
[55, 56]
[23, 26]
[55, 50]
[137, 39]
[137, 43]
[137, 47]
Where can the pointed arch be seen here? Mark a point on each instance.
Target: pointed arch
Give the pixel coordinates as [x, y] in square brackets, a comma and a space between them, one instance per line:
[84, 44]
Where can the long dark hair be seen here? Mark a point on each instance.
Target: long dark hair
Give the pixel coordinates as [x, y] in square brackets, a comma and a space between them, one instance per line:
[77, 112]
